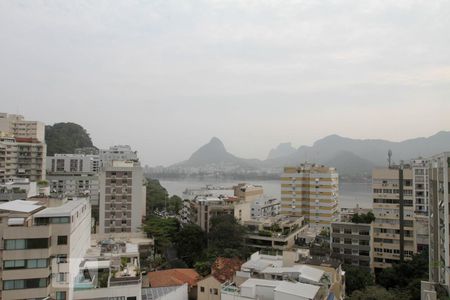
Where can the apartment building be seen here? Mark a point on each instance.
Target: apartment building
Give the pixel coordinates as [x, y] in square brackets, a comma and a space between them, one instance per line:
[122, 197]
[17, 126]
[264, 207]
[280, 232]
[350, 242]
[386, 208]
[43, 242]
[110, 269]
[75, 175]
[21, 158]
[311, 191]
[118, 152]
[247, 192]
[439, 180]
[200, 210]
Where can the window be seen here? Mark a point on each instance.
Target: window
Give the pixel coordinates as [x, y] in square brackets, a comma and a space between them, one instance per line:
[202, 289]
[62, 239]
[61, 258]
[216, 292]
[25, 283]
[26, 244]
[14, 264]
[60, 295]
[61, 277]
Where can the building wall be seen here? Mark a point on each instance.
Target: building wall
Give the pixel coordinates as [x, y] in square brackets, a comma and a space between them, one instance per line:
[19, 127]
[386, 227]
[122, 198]
[350, 243]
[21, 159]
[206, 289]
[77, 233]
[439, 178]
[310, 191]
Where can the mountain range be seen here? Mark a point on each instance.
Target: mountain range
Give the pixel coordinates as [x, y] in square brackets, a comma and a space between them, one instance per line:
[349, 156]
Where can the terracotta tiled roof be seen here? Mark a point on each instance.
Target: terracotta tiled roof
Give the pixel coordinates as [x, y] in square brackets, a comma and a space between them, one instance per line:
[223, 268]
[173, 277]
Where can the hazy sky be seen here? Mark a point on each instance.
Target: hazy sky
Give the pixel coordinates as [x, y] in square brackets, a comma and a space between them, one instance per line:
[165, 76]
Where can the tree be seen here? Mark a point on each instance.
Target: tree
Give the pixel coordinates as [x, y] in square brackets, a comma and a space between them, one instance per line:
[163, 231]
[190, 243]
[357, 278]
[203, 267]
[174, 204]
[226, 233]
[372, 293]
[363, 218]
[156, 196]
[405, 277]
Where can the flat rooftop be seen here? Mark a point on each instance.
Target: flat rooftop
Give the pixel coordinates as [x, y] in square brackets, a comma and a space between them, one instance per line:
[64, 210]
[21, 206]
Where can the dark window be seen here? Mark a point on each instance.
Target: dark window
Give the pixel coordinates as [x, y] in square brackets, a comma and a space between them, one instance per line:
[62, 239]
[202, 289]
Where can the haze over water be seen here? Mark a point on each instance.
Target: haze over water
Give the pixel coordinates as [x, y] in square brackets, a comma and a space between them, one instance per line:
[350, 193]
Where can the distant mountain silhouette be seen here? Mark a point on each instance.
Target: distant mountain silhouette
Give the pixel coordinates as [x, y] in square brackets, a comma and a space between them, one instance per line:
[349, 156]
[214, 153]
[281, 150]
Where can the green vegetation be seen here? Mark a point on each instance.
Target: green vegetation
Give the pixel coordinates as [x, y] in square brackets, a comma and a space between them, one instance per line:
[163, 230]
[65, 138]
[226, 237]
[363, 218]
[158, 199]
[372, 293]
[400, 282]
[357, 278]
[404, 278]
[190, 243]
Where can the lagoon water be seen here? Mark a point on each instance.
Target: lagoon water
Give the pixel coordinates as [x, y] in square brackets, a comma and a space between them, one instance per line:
[350, 193]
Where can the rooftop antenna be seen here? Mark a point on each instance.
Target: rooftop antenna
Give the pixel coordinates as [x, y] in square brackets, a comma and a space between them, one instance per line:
[389, 157]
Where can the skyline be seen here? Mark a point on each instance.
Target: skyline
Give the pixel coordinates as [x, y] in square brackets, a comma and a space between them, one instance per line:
[165, 77]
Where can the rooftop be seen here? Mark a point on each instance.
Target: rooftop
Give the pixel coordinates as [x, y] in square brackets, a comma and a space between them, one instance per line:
[173, 277]
[223, 268]
[21, 206]
[308, 291]
[64, 210]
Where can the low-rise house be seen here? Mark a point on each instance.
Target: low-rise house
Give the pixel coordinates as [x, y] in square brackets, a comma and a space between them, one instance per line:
[324, 274]
[166, 293]
[223, 270]
[271, 290]
[174, 278]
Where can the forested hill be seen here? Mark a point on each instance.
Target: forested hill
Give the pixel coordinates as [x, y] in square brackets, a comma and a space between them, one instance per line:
[65, 138]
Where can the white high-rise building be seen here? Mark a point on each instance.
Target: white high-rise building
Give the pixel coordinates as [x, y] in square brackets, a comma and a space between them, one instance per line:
[122, 197]
[44, 241]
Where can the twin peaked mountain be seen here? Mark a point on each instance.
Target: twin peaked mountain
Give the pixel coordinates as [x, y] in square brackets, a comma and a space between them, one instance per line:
[349, 156]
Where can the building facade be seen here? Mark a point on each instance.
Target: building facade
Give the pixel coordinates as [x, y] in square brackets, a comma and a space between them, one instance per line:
[17, 126]
[439, 179]
[386, 208]
[350, 242]
[21, 158]
[75, 175]
[310, 191]
[265, 207]
[43, 242]
[122, 197]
